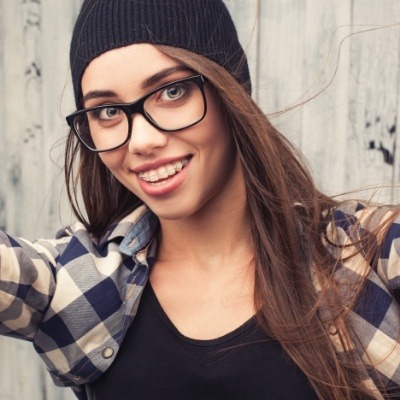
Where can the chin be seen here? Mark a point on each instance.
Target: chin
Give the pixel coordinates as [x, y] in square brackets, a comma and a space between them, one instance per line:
[173, 213]
[170, 215]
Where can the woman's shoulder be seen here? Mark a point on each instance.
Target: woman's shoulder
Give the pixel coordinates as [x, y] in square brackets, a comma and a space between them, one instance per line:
[352, 220]
[118, 230]
[366, 239]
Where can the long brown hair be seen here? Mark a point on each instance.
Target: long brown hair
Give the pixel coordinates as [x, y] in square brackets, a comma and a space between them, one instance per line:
[287, 218]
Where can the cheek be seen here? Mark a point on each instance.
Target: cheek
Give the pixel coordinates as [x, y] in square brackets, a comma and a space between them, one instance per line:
[219, 139]
[219, 155]
[217, 125]
[113, 160]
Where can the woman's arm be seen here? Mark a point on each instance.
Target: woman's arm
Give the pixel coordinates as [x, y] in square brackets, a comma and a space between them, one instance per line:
[389, 260]
[27, 282]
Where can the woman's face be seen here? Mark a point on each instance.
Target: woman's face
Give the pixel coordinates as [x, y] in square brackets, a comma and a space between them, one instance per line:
[201, 161]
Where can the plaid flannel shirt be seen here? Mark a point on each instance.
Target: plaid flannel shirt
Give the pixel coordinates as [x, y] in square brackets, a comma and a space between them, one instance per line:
[75, 297]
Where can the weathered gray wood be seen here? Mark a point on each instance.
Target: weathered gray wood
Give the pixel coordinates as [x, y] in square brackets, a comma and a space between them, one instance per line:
[374, 71]
[293, 48]
[3, 147]
[324, 118]
[280, 61]
[31, 107]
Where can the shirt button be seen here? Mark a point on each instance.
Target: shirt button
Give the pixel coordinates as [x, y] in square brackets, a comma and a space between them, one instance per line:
[108, 352]
[332, 330]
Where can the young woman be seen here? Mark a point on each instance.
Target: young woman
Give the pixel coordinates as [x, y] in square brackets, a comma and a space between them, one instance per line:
[206, 265]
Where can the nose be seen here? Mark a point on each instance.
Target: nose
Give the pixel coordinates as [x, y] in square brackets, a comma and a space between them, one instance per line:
[145, 138]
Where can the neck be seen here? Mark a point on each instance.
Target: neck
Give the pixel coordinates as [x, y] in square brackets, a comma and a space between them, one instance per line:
[214, 238]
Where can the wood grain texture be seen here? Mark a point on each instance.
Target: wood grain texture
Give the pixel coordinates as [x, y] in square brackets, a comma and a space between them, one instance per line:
[349, 133]
[374, 73]
[3, 147]
[325, 70]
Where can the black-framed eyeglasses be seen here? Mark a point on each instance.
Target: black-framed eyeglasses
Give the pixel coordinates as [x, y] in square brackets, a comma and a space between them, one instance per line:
[171, 107]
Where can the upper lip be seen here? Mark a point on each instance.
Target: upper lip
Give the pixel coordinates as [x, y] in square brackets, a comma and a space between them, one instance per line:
[158, 163]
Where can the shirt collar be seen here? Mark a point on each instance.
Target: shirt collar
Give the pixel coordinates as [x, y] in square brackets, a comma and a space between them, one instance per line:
[135, 231]
[140, 234]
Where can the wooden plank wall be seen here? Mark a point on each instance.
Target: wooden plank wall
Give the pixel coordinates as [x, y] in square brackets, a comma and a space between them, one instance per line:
[295, 47]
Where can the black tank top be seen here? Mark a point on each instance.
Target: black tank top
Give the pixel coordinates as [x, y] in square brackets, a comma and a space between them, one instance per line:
[156, 362]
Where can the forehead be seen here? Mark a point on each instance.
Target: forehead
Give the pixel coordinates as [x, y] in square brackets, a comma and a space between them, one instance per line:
[125, 67]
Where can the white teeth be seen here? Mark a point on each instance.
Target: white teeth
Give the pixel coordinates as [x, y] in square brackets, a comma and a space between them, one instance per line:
[153, 176]
[163, 172]
[170, 169]
[178, 166]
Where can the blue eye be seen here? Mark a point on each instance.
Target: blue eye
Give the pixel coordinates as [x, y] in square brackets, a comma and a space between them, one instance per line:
[107, 113]
[174, 92]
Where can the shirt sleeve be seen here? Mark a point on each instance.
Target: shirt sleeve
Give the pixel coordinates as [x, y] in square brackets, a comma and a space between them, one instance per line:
[27, 282]
[389, 260]
[380, 227]
[373, 230]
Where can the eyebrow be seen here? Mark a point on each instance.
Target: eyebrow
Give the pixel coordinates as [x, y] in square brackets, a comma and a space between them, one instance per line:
[147, 83]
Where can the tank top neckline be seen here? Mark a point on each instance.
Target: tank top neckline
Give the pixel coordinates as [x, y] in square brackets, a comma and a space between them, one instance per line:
[241, 330]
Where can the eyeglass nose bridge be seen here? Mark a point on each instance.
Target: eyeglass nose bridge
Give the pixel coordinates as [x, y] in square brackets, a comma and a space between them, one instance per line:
[137, 107]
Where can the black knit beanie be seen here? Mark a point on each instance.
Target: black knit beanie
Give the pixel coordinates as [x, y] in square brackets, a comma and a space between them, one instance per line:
[201, 26]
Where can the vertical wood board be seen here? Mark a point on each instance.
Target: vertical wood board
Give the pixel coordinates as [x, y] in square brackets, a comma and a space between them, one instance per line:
[374, 72]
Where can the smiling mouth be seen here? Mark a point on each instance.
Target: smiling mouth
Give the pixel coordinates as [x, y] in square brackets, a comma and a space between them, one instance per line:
[164, 172]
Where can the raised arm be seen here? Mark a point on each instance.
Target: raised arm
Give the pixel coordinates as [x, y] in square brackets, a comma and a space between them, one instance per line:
[27, 282]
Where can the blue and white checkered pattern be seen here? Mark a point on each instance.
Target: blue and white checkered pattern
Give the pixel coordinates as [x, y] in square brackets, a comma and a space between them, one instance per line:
[74, 297]
[375, 315]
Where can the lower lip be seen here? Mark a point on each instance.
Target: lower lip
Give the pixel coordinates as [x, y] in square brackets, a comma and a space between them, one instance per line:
[167, 187]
